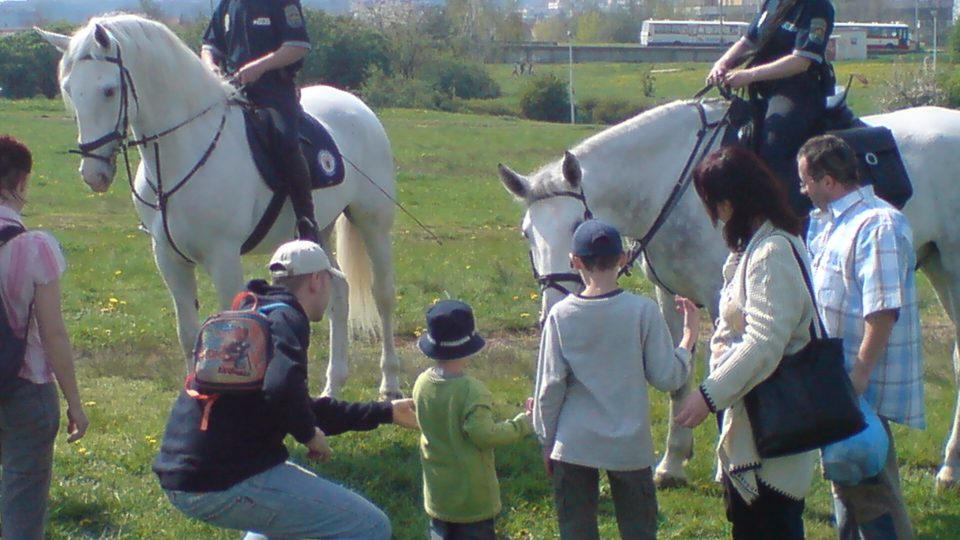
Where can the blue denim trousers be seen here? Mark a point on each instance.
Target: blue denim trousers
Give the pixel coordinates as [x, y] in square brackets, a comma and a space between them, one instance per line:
[287, 502]
[29, 419]
[874, 509]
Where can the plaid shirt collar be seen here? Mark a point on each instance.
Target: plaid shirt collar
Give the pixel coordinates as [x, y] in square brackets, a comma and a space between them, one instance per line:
[837, 208]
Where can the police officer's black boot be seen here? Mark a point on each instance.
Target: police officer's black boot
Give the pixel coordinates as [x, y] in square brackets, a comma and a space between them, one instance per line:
[298, 179]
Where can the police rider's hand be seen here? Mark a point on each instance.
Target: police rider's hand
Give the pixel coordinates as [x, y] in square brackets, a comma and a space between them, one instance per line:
[317, 447]
[718, 73]
[739, 79]
[250, 73]
[405, 413]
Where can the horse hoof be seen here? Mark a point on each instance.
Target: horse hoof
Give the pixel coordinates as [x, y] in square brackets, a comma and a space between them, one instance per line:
[667, 480]
[390, 396]
[947, 480]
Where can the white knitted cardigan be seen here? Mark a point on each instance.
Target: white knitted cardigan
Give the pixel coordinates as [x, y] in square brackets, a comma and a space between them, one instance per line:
[755, 329]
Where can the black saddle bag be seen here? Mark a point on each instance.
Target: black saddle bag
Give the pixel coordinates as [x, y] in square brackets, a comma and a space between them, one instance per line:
[880, 163]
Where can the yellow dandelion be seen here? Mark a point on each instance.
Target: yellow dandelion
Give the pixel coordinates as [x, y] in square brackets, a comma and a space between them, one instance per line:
[82, 451]
[113, 300]
[524, 315]
[118, 272]
[515, 297]
[534, 296]
[89, 403]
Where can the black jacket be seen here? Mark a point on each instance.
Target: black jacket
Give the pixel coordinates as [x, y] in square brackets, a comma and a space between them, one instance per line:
[245, 433]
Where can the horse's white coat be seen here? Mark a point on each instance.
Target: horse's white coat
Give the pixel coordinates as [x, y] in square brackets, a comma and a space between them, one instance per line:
[629, 170]
[212, 215]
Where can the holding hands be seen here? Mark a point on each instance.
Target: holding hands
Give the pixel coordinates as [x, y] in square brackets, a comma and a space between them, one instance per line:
[405, 413]
[317, 447]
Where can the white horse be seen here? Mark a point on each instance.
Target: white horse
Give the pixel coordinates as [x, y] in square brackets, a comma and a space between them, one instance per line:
[625, 175]
[125, 72]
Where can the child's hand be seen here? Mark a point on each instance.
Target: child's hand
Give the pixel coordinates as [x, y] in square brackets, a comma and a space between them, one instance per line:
[528, 407]
[691, 321]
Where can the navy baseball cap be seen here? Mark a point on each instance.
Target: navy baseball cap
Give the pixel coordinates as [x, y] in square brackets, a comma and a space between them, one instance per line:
[594, 238]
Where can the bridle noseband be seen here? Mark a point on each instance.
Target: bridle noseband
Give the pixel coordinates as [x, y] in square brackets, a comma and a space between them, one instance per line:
[121, 126]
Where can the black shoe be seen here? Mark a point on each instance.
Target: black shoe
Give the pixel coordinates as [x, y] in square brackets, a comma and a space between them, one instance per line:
[308, 230]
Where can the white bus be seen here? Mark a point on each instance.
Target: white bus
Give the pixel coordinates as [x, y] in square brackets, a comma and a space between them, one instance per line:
[880, 36]
[697, 33]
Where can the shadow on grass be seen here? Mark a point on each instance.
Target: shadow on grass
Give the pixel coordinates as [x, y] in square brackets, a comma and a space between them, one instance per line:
[73, 518]
[938, 526]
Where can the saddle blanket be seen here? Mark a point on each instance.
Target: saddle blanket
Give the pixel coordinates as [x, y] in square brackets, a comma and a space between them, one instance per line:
[880, 163]
[320, 150]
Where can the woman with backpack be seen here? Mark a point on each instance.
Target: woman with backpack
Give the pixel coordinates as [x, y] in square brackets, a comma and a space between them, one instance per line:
[35, 354]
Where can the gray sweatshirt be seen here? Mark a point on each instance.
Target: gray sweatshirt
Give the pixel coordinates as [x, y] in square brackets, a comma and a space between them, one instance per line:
[596, 356]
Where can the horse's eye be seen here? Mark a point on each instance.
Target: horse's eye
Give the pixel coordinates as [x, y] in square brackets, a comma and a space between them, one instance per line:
[109, 92]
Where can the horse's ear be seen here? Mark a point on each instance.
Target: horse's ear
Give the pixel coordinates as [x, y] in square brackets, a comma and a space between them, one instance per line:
[515, 184]
[571, 169]
[60, 41]
[100, 34]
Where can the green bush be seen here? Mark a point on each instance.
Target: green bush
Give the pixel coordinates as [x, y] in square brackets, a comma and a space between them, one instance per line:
[382, 90]
[951, 86]
[545, 98]
[459, 78]
[492, 107]
[615, 110]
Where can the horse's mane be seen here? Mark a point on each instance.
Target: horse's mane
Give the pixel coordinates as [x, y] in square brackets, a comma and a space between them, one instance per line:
[625, 136]
[169, 58]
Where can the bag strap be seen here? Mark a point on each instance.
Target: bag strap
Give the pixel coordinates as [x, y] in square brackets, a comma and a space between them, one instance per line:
[6, 234]
[806, 280]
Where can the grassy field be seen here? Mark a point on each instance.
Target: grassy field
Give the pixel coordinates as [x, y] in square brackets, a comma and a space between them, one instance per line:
[120, 317]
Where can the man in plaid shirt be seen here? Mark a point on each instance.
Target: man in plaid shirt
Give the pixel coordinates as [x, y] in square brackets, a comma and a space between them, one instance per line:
[863, 263]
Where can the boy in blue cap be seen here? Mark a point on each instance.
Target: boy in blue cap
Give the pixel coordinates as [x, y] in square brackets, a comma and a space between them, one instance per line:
[598, 350]
[455, 411]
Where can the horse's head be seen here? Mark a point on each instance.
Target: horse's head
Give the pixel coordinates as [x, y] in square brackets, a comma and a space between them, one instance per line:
[94, 83]
[555, 206]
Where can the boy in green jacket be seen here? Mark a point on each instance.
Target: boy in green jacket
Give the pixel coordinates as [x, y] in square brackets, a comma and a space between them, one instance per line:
[460, 490]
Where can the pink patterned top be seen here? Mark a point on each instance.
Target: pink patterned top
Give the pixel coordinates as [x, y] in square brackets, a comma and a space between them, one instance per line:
[32, 258]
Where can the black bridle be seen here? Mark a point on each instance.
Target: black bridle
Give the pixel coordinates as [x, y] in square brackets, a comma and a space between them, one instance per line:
[553, 280]
[120, 133]
[639, 247]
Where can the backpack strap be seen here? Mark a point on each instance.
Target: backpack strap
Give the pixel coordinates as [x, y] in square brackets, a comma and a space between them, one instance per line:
[207, 399]
[6, 234]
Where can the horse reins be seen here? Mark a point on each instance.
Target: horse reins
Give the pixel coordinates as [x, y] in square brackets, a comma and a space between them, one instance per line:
[120, 133]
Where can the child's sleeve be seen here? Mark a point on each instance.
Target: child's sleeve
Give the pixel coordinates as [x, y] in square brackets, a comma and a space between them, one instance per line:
[551, 385]
[480, 427]
[666, 367]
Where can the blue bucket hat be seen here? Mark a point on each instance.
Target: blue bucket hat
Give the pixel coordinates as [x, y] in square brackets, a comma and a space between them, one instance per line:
[451, 331]
[594, 238]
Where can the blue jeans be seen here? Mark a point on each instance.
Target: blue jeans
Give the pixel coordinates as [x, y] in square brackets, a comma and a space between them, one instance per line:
[287, 502]
[29, 419]
[874, 509]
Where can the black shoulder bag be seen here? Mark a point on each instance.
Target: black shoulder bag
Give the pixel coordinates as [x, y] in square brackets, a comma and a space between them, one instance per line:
[808, 402]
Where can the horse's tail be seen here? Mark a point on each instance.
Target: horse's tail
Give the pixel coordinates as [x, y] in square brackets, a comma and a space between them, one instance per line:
[355, 263]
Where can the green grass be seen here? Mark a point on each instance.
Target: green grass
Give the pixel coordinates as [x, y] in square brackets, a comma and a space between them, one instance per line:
[680, 80]
[120, 318]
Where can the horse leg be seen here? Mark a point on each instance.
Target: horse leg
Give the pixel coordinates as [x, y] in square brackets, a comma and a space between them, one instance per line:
[947, 286]
[338, 368]
[374, 233]
[670, 471]
[181, 280]
[226, 272]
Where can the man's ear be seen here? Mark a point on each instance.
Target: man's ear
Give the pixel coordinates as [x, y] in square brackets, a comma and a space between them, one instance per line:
[576, 262]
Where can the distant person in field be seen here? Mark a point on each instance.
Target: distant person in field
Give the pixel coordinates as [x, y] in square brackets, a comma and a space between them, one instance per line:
[788, 79]
[262, 44]
[235, 472]
[455, 411]
[31, 264]
[598, 351]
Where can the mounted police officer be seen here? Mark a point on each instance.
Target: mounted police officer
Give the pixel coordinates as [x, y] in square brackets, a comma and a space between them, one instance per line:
[262, 44]
[788, 79]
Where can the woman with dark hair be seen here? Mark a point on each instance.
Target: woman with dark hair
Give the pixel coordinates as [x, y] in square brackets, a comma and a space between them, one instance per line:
[30, 268]
[765, 313]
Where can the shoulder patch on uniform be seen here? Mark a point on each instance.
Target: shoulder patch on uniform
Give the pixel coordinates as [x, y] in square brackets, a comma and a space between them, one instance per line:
[293, 16]
[818, 30]
[261, 21]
